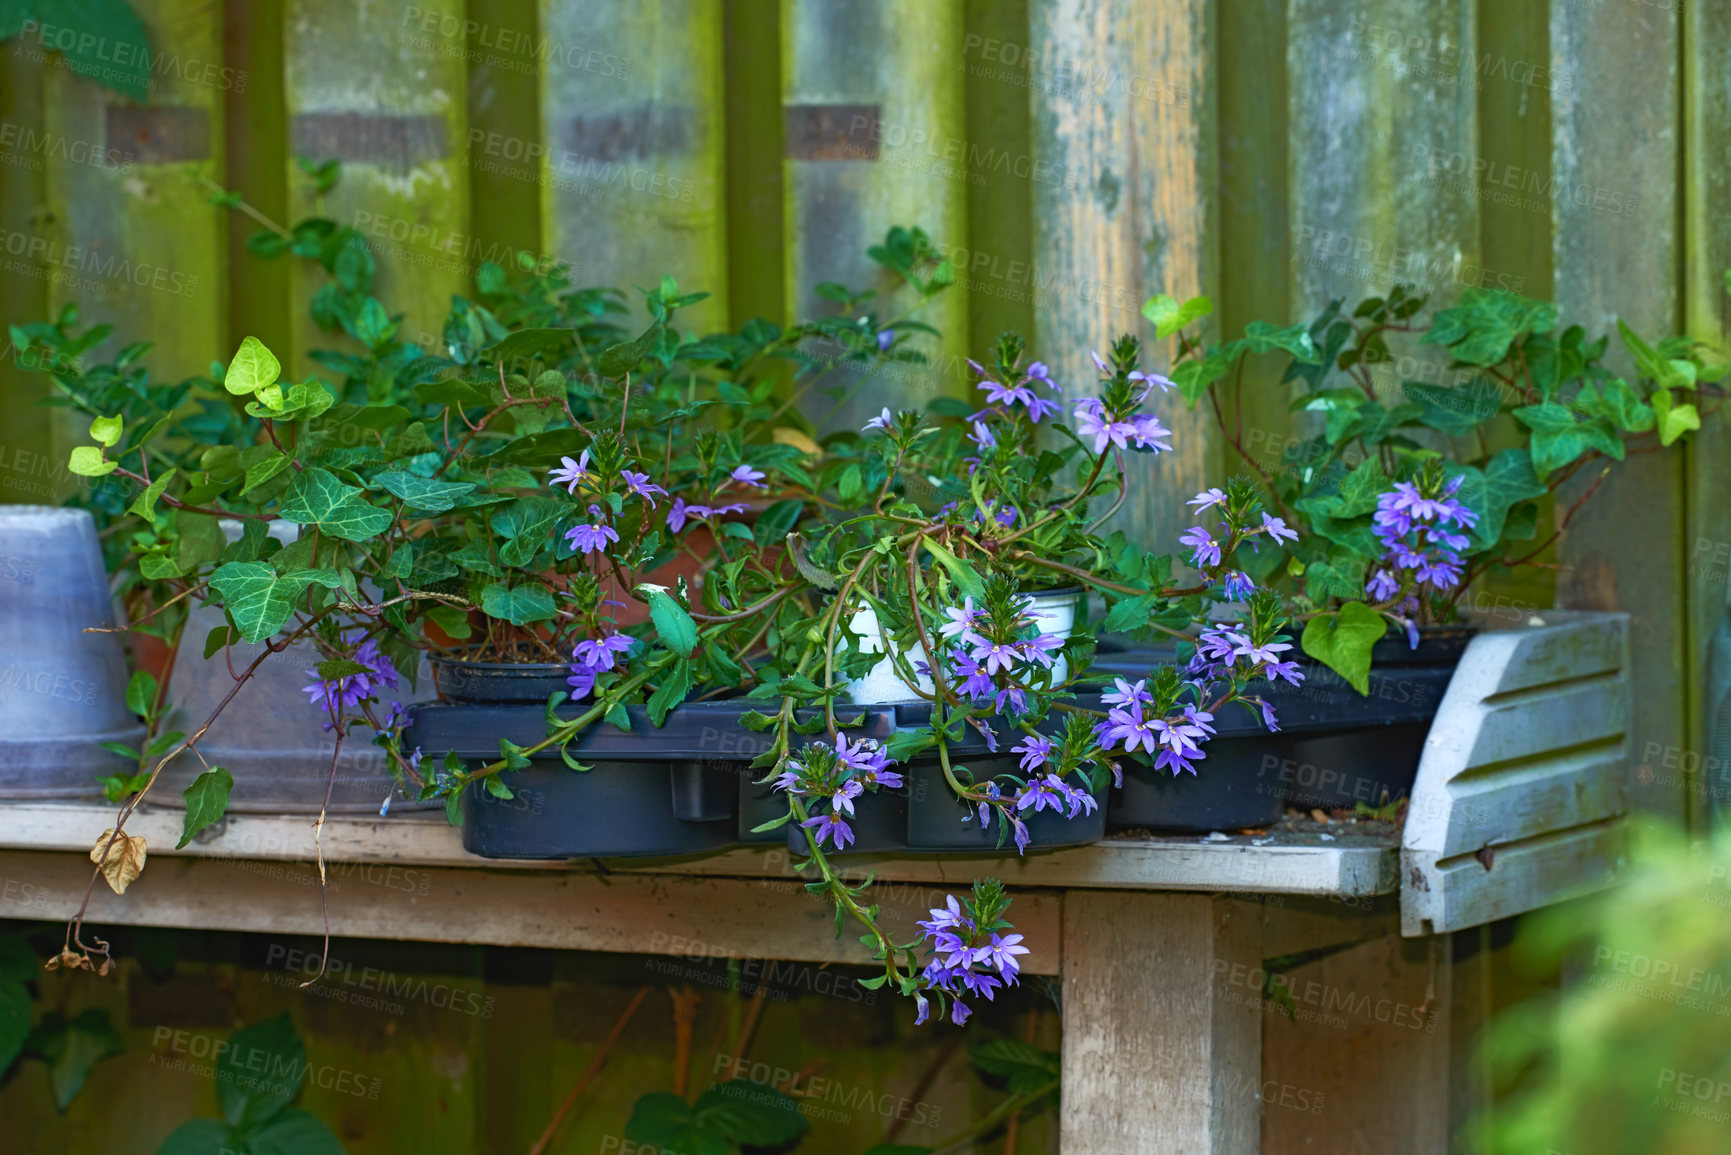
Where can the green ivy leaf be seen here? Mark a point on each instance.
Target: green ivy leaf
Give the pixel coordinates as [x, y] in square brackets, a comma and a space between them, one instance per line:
[292, 1132]
[201, 1137]
[206, 802]
[259, 600]
[666, 1122]
[260, 1072]
[1506, 480]
[317, 497]
[1615, 402]
[1558, 438]
[1674, 419]
[532, 343]
[71, 1047]
[618, 360]
[107, 430]
[1168, 316]
[1342, 641]
[1480, 330]
[522, 606]
[141, 692]
[201, 539]
[254, 367]
[527, 525]
[672, 623]
[144, 505]
[86, 461]
[1455, 410]
[424, 493]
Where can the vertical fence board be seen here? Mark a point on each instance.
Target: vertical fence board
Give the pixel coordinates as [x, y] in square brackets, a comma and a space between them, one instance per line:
[1175, 208]
[135, 241]
[29, 455]
[256, 147]
[631, 112]
[754, 186]
[1707, 316]
[504, 104]
[875, 136]
[1382, 129]
[377, 89]
[997, 264]
[1253, 213]
[1615, 163]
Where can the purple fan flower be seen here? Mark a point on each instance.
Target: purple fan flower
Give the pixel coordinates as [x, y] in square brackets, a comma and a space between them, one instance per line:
[1100, 363]
[350, 690]
[982, 437]
[832, 827]
[1205, 550]
[886, 339]
[598, 653]
[1208, 497]
[1125, 693]
[639, 484]
[1148, 434]
[1091, 421]
[591, 537]
[746, 475]
[1127, 726]
[1040, 408]
[1150, 380]
[961, 623]
[1276, 529]
[1035, 751]
[1238, 586]
[1041, 372]
[1042, 794]
[1382, 586]
[1006, 395]
[570, 472]
[882, 421]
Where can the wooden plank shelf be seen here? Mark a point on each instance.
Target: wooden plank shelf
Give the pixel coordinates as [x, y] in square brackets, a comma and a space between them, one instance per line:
[1349, 866]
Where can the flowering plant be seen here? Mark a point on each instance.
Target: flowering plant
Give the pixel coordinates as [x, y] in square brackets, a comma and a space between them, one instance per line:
[1406, 491]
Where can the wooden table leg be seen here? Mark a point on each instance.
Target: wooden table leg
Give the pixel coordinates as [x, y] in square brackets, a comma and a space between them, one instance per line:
[1162, 1044]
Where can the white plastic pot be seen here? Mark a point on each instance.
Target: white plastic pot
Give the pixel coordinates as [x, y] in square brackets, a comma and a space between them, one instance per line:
[1054, 612]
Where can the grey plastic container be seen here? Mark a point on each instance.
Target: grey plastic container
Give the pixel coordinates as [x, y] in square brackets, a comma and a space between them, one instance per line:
[62, 691]
[271, 737]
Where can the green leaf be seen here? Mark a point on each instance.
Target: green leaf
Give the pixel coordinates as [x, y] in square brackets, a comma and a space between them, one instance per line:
[527, 525]
[259, 600]
[261, 472]
[749, 1113]
[1340, 576]
[1506, 480]
[141, 692]
[16, 1012]
[1674, 419]
[71, 1047]
[107, 430]
[1615, 402]
[671, 692]
[1661, 370]
[1262, 337]
[219, 637]
[201, 1137]
[144, 505]
[1024, 1066]
[1558, 438]
[260, 1072]
[1456, 410]
[513, 756]
[1168, 316]
[531, 343]
[526, 604]
[1342, 642]
[254, 367]
[666, 1122]
[1480, 330]
[201, 539]
[851, 483]
[317, 497]
[206, 802]
[618, 360]
[672, 623]
[1131, 613]
[967, 578]
[424, 493]
[86, 461]
[103, 41]
[292, 1132]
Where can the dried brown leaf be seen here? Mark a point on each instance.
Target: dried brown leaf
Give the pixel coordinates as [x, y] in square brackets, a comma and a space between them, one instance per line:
[125, 862]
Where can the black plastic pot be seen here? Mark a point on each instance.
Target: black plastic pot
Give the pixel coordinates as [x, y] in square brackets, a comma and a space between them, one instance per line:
[879, 825]
[1233, 787]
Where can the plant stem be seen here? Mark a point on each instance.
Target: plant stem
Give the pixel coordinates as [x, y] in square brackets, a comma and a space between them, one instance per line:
[590, 1071]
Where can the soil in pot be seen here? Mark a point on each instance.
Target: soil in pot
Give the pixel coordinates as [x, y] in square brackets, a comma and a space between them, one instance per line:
[62, 691]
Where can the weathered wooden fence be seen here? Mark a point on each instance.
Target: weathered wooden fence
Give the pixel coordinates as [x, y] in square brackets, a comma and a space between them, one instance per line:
[1072, 156]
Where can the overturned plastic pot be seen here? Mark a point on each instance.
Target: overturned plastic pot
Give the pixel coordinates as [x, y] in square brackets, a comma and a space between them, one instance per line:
[62, 691]
[271, 737]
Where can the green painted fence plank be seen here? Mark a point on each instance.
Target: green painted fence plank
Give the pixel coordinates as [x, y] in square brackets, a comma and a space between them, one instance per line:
[752, 32]
[30, 460]
[875, 136]
[1707, 316]
[134, 241]
[372, 86]
[256, 145]
[631, 116]
[997, 265]
[504, 102]
[1614, 159]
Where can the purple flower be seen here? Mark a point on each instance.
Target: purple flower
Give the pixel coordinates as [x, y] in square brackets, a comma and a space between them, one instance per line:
[1149, 380]
[1382, 586]
[639, 484]
[1124, 693]
[1034, 750]
[959, 1013]
[1091, 421]
[591, 538]
[881, 421]
[995, 657]
[1039, 371]
[961, 623]
[1276, 529]
[982, 437]
[1042, 794]
[598, 653]
[350, 690]
[976, 682]
[1006, 395]
[570, 473]
[1268, 717]
[1147, 432]
[1205, 550]
[861, 756]
[1100, 363]
[1127, 726]
[1208, 497]
[676, 514]
[830, 826]
[1040, 408]
[746, 475]
[1287, 670]
[886, 339]
[924, 1007]
[1238, 586]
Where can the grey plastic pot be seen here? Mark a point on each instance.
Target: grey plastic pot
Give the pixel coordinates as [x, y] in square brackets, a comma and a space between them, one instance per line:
[271, 737]
[62, 691]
